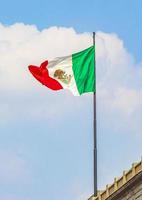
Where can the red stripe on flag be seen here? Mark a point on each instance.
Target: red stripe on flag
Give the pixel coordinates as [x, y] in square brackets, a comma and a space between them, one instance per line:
[42, 75]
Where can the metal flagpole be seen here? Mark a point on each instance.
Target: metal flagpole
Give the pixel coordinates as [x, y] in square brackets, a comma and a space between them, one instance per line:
[95, 132]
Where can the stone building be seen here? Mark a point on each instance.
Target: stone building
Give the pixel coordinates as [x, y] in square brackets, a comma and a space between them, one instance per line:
[127, 187]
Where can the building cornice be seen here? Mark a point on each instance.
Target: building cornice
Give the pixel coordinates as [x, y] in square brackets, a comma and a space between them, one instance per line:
[121, 183]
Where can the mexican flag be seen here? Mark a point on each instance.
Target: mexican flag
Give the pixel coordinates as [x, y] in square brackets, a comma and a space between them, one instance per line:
[75, 72]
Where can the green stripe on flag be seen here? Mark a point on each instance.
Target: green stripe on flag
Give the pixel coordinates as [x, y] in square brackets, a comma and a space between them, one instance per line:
[84, 70]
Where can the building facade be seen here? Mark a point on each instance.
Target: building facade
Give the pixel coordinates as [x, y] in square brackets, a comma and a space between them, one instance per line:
[127, 187]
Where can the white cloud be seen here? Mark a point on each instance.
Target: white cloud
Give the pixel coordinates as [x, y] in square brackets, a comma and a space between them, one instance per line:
[128, 100]
[22, 45]
[118, 77]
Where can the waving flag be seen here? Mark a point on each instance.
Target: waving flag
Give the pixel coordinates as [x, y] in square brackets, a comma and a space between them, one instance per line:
[75, 72]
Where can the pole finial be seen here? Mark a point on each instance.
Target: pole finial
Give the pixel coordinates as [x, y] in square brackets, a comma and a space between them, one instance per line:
[94, 38]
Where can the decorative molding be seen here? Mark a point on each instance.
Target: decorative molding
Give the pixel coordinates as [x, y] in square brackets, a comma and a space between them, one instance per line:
[119, 182]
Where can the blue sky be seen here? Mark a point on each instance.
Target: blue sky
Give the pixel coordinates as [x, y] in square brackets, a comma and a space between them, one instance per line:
[122, 17]
[46, 138]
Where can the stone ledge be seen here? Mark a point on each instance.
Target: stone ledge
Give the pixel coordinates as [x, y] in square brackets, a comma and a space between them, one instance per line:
[120, 182]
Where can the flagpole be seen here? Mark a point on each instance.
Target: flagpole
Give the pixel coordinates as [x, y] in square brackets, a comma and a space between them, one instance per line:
[95, 132]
